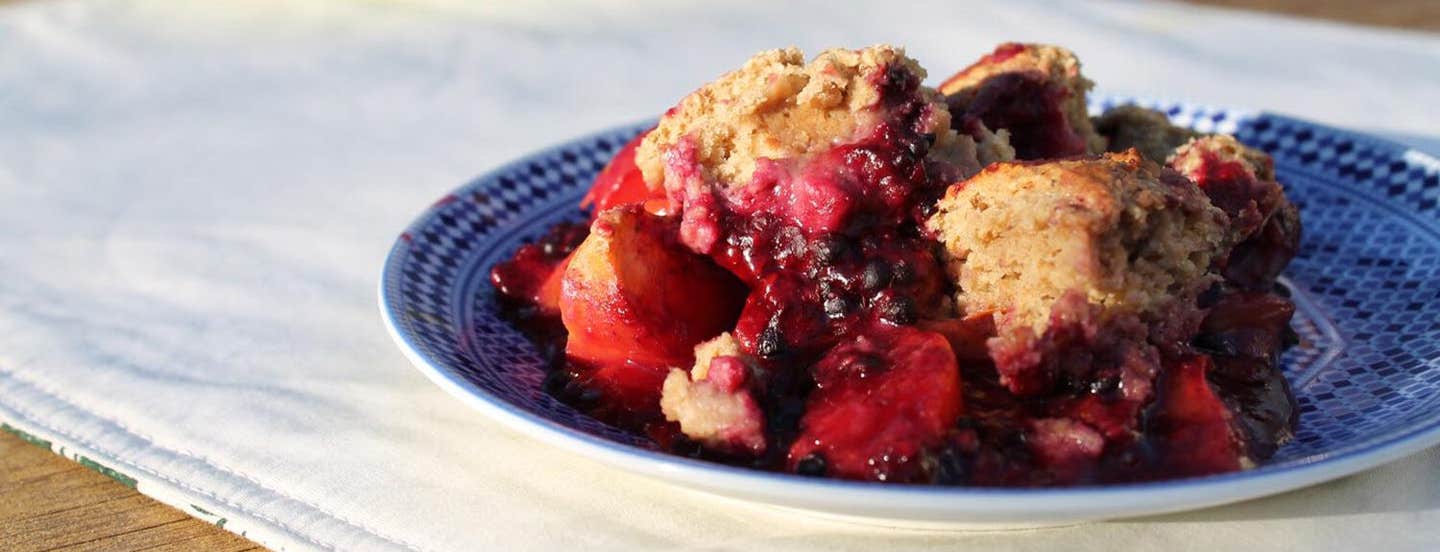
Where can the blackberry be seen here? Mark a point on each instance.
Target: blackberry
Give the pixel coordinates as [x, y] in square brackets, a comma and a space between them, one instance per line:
[769, 344]
[952, 467]
[902, 273]
[590, 397]
[829, 248]
[900, 311]
[1106, 387]
[812, 465]
[875, 276]
[555, 382]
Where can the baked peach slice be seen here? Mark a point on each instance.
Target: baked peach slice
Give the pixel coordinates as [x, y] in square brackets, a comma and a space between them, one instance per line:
[547, 298]
[636, 302]
[527, 285]
[1191, 427]
[621, 182]
[967, 336]
[882, 403]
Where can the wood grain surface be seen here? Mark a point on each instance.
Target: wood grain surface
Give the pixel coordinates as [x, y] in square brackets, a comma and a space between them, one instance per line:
[1423, 15]
[50, 503]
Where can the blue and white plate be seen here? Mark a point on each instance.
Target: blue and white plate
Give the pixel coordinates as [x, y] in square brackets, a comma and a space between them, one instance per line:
[1367, 374]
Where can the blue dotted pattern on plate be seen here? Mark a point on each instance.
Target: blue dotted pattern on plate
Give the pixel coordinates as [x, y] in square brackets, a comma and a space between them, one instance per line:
[1366, 280]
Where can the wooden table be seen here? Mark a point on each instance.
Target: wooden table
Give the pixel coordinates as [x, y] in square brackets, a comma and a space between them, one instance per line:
[1401, 14]
[50, 503]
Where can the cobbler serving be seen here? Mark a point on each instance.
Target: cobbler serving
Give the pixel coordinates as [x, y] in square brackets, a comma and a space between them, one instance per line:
[828, 268]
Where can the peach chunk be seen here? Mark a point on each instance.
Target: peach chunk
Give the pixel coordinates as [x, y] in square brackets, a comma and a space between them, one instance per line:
[1192, 428]
[882, 404]
[621, 182]
[547, 297]
[636, 302]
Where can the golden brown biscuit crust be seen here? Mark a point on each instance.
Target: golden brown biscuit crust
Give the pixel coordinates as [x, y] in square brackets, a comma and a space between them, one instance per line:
[1115, 229]
[723, 419]
[777, 106]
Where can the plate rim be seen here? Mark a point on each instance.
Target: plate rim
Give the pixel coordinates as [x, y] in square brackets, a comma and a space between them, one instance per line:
[1093, 501]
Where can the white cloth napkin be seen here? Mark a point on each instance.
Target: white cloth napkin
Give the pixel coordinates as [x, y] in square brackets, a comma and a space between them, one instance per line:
[195, 200]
